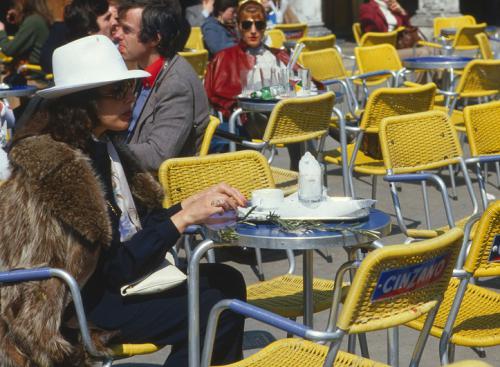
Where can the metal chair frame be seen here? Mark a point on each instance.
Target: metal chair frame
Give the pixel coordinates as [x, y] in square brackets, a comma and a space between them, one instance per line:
[419, 173]
[344, 322]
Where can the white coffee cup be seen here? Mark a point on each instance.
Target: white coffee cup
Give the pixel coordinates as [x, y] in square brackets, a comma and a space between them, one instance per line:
[267, 199]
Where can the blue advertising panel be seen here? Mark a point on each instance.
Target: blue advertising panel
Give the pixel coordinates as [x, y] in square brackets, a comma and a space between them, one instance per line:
[495, 250]
[394, 282]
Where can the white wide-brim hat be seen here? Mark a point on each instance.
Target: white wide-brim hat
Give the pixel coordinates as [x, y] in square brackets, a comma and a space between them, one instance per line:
[87, 63]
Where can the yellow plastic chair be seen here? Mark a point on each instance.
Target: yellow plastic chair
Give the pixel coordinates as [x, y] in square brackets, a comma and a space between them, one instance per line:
[383, 102]
[468, 315]
[357, 32]
[480, 82]
[213, 124]
[293, 31]
[464, 39]
[294, 120]
[379, 38]
[483, 133]
[469, 363]
[451, 22]
[247, 171]
[318, 43]
[373, 303]
[277, 37]
[195, 40]
[415, 146]
[198, 60]
[375, 58]
[484, 46]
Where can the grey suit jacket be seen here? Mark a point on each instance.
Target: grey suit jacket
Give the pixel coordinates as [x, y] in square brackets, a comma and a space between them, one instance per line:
[174, 117]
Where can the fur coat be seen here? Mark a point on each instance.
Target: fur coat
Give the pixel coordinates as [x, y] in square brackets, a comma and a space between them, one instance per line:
[53, 213]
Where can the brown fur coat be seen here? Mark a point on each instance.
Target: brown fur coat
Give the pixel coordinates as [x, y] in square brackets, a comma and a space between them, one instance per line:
[52, 213]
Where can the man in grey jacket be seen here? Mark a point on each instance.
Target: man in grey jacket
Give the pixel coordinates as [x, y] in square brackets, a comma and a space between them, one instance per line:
[170, 114]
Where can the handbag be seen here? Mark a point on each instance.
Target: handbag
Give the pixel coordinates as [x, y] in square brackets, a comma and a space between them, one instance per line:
[370, 145]
[164, 277]
[408, 37]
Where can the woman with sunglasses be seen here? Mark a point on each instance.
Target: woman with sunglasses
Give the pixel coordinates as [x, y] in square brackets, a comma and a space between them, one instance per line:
[78, 201]
[229, 68]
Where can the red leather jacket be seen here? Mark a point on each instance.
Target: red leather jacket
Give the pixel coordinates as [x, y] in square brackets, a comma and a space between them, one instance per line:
[225, 73]
[373, 20]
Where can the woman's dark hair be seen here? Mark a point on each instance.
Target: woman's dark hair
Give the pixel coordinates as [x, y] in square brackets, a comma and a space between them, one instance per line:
[80, 17]
[163, 18]
[39, 7]
[220, 6]
[69, 119]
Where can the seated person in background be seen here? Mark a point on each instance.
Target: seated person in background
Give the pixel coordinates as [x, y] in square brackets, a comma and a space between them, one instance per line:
[219, 29]
[81, 18]
[228, 70]
[196, 14]
[86, 205]
[34, 19]
[382, 16]
[86, 17]
[227, 73]
[170, 114]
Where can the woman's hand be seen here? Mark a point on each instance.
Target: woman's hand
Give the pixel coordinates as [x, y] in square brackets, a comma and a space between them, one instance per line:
[214, 200]
[395, 7]
[2, 27]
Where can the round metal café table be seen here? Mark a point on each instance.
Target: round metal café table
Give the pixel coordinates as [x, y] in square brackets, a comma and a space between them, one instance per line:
[269, 236]
[446, 63]
[18, 91]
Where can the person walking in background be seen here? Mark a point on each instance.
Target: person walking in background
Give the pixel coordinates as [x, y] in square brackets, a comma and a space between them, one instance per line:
[219, 30]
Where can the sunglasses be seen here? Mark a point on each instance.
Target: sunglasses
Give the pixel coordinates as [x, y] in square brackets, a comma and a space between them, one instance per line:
[119, 91]
[260, 25]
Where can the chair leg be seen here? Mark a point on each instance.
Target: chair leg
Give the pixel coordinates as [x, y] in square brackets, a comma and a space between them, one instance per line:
[363, 345]
[453, 185]
[351, 343]
[260, 267]
[108, 362]
[497, 165]
[451, 353]
[211, 256]
[426, 205]
[393, 346]
[374, 187]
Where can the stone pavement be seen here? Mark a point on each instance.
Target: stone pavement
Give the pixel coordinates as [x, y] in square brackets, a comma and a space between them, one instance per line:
[275, 263]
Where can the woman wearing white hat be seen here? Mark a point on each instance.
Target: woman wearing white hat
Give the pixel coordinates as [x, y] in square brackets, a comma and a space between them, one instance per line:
[77, 201]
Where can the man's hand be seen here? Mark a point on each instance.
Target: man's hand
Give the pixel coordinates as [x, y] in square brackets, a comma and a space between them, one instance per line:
[395, 7]
[208, 6]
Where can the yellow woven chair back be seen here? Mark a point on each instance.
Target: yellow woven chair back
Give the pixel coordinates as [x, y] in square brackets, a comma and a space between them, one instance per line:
[484, 46]
[198, 60]
[420, 141]
[293, 31]
[324, 64]
[375, 58]
[465, 38]
[483, 259]
[452, 22]
[195, 40]
[213, 124]
[357, 32]
[386, 102]
[379, 38]
[399, 283]
[245, 170]
[294, 120]
[480, 78]
[277, 37]
[482, 123]
[318, 43]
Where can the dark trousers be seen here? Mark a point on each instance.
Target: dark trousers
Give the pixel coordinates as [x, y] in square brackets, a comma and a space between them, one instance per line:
[163, 318]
